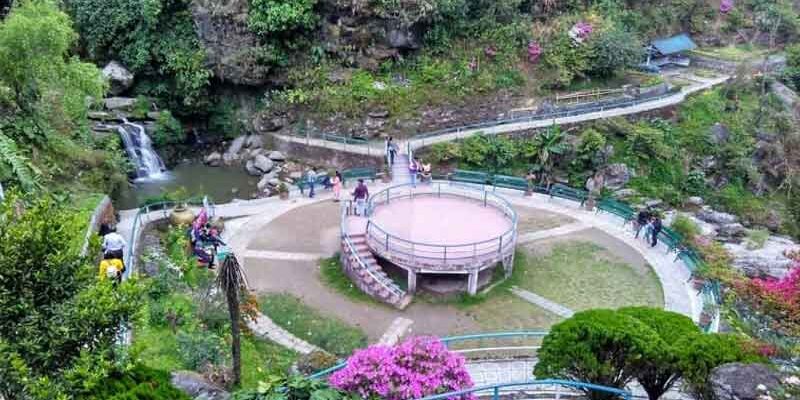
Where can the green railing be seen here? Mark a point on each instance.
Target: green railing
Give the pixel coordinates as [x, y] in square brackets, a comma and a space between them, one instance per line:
[405, 250]
[550, 387]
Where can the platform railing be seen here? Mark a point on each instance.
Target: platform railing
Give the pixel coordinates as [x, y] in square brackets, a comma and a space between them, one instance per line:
[434, 254]
[551, 388]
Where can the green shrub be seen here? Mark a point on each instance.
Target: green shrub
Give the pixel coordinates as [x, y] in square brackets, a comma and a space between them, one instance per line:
[701, 354]
[756, 238]
[199, 349]
[140, 383]
[268, 17]
[686, 227]
[168, 131]
[224, 120]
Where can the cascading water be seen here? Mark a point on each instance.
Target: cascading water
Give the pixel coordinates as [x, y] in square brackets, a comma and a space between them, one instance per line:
[140, 150]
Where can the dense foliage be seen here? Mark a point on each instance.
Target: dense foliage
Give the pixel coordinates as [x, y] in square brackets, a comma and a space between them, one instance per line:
[296, 387]
[655, 347]
[43, 91]
[59, 325]
[139, 383]
[418, 367]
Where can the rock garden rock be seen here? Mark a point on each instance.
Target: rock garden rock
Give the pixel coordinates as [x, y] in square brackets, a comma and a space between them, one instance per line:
[262, 163]
[276, 156]
[768, 261]
[734, 230]
[237, 145]
[716, 217]
[214, 159]
[119, 103]
[254, 142]
[696, 201]
[263, 182]
[719, 133]
[625, 193]
[118, 76]
[614, 176]
[274, 182]
[229, 158]
[197, 387]
[251, 169]
[738, 381]
[380, 114]
[254, 152]
[653, 203]
[100, 116]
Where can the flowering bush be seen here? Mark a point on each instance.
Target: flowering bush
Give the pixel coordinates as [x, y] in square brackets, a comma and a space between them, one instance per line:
[581, 31]
[725, 6]
[534, 51]
[418, 367]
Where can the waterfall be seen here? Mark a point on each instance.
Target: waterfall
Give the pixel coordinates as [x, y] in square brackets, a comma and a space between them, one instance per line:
[140, 150]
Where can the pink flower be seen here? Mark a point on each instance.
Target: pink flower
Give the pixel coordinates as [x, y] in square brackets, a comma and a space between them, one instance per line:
[534, 51]
[418, 367]
[725, 6]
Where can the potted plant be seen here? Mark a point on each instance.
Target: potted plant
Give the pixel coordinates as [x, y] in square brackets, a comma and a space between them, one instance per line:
[283, 191]
[386, 177]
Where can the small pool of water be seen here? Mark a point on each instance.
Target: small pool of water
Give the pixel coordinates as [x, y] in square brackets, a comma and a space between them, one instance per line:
[197, 179]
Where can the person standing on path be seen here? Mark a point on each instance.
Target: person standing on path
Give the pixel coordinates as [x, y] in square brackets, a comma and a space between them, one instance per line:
[113, 245]
[311, 179]
[656, 230]
[391, 149]
[641, 221]
[361, 194]
[413, 169]
[337, 186]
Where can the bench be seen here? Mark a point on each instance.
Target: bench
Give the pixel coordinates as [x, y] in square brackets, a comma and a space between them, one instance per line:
[517, 183]
[566, 192]
[359, 173]
[343, 139]
[461, 175]
[691, 259]
[672, 239]
[617, 208]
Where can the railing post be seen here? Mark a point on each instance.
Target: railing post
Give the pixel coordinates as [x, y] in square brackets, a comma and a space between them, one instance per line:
[445, 253]
[484, 197]
[500, 249]
[387, 243]
[475, 251]
[496, 393]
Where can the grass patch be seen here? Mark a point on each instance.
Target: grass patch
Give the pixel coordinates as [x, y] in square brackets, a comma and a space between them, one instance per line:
[332, 275]
[581, 275]
[732, 52]
[309, 324]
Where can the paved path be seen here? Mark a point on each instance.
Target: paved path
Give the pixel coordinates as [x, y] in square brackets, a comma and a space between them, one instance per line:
[263, 327]
[697, 84]
[396, 330]
[540, 301]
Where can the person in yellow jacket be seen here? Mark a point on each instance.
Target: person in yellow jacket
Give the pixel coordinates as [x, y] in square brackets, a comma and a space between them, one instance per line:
[111, 269]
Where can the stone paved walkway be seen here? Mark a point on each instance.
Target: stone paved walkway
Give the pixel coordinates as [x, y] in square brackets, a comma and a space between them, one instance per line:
[540, 301]
[263, 327]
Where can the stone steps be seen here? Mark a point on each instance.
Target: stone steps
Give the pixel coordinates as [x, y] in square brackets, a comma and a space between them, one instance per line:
[369, 277]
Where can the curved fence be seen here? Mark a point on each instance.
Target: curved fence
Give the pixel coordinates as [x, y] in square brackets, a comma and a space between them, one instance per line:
[435, 255]
[535, 389]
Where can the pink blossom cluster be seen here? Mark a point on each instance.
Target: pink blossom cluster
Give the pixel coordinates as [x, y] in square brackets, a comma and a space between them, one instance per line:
[419, 367]
[786, 288]
[725, 6]
[583, 29]
[534, 51]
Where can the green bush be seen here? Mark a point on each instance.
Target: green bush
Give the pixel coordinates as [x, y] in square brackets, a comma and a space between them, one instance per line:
[701, 354]
[269, 17]
[756, 238]
[199, 349]
[296, 387]
[613, 50]
[140, 383]
[685, 227]
[224, 120]
[168, 131]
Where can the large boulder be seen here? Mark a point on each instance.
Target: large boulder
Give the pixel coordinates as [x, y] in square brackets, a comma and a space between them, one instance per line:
[734, 230]
[276, 156]
[402, 38]
[739, 381]
[119, 78]
[214, 159]
[254, 142]
[237, 145]
[716, 217]
[768, 261]
[197, 387]
[719, 133]
[119, 103]
[262, 163]
[614, 176]
[251, 169]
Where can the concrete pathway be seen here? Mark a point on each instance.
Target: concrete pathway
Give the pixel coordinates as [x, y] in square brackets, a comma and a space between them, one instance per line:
[263, 327]
[396, 330]
[540, 301]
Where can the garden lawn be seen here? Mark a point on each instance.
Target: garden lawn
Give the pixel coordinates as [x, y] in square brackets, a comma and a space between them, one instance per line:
[330, 334]
[332, 275]
[582, 275]
[157, 348]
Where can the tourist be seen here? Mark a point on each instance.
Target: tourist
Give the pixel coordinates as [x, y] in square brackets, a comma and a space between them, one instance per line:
[413, 169]
[391, 149]
[311, 179]
[361, 194]
[113, 245]
[337, 186]
[426, 173]
[641, 221]
[112, 269]
[656, 230]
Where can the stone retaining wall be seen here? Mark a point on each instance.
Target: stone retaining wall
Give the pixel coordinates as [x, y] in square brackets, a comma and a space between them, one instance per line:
[329, 157]
[102, 213]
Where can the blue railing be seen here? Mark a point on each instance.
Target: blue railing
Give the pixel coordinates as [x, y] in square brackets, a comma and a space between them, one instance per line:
[497, 389]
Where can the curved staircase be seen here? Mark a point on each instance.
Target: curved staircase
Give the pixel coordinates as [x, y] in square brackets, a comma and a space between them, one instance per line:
[361, 266]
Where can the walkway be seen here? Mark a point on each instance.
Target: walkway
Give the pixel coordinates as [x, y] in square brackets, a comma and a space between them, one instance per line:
[697, 84]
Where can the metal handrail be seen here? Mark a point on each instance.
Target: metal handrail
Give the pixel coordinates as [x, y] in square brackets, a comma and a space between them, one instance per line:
[448, 341]
[346, 238]
[129, 259]
[496, 389]
[379, 237]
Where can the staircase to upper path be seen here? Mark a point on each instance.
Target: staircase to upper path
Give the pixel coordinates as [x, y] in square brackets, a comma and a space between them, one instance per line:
[368, 275]
[400, 172]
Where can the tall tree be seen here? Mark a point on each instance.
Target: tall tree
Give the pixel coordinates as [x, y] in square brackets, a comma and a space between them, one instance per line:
[59, 325]
[231, 280]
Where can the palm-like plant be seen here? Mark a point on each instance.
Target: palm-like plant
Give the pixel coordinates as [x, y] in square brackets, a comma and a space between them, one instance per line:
[20, 166]
[231, 280]
[545, 149]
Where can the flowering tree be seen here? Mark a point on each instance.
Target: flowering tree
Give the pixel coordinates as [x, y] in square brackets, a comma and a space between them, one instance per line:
[534, 51]
[725, 6]
[418, 367]
[581, 31]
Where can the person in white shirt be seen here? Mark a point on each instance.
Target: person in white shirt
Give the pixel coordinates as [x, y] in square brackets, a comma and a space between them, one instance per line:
[113, 245]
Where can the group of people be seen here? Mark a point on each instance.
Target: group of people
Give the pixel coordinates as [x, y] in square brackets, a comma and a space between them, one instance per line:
[419, 171]
[204, 239]
[329, 183]
[649, 222]
[112, 266]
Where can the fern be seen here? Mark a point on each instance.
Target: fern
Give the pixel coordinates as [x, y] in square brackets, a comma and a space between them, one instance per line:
[23, 171]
